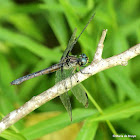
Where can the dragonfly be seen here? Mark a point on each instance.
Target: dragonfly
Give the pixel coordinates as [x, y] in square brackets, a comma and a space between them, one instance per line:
[65, 68]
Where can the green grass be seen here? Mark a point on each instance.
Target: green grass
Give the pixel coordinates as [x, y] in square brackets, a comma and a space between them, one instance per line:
[34, 35]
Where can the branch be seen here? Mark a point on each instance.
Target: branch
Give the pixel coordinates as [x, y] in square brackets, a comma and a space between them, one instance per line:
[98, 64]
[98, 53]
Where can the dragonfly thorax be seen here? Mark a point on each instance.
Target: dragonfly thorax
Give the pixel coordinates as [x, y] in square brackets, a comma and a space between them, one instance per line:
[82, 60]
[73, 61]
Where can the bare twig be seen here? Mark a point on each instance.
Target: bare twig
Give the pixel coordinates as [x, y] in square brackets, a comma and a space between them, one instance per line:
[96, 66]
[98, 53]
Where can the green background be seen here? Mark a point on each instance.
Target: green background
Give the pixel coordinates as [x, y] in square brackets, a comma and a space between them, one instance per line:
[33, 36]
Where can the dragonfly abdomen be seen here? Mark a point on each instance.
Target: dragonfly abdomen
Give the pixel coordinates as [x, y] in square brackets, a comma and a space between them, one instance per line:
[51, 69]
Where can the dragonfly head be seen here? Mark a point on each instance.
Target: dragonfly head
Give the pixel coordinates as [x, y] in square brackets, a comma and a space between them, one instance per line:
[83, 59]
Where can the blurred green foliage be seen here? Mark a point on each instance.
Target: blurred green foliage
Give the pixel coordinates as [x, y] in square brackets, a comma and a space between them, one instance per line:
[33, 36]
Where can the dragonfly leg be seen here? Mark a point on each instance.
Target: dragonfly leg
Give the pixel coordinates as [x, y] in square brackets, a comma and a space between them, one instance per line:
[75, 69]
[83, 72]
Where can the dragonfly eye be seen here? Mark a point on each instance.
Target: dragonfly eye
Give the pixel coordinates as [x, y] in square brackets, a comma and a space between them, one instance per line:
[83, 61]
[83, 55]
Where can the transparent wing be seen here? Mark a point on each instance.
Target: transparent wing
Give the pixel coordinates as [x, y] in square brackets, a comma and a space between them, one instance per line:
[73, 40]
[70, 45]
[80, 94]
[78, 91]
[60, 75]
[66, 102]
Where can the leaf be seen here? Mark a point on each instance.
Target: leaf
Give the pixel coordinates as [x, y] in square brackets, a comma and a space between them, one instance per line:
[55, 123]
[123, 82]
[11, 135]
[119, 111]
[88, 131]
[29, 44]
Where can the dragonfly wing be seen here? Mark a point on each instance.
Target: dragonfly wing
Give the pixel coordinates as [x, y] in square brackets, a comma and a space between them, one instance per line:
[80, 94]
[73, 40]
[70, 45]
[66, 102]
[60, 75]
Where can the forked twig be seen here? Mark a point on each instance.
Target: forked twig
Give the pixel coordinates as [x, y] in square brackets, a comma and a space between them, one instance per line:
[98, 64]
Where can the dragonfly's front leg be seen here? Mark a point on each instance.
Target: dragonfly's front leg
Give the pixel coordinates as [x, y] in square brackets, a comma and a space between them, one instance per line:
[81, 70]
[75, 69]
